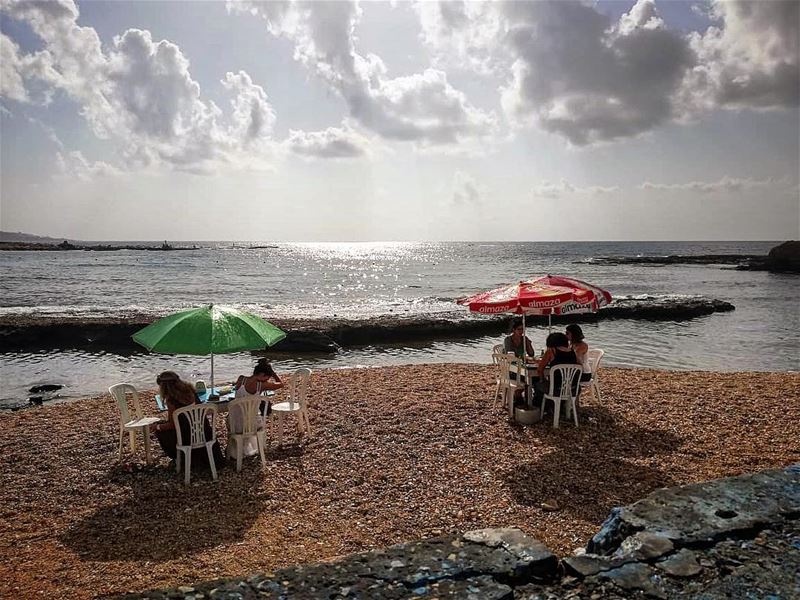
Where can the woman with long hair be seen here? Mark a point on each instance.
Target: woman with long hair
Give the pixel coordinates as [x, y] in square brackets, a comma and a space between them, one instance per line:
[577, 342]
[176, 394]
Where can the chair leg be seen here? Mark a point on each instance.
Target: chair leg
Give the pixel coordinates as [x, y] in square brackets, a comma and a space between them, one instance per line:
[575, 412]
[132, 435]
[211, 462]
[261, 439]
[146, 434]
[121, 441]
[308, 423]
[239, 453]
[596, 390]
[280, 425]
[557, 412]
[188, 467]
[177, 461]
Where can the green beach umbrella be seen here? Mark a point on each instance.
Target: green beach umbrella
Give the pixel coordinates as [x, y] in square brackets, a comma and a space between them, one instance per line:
[208, 330]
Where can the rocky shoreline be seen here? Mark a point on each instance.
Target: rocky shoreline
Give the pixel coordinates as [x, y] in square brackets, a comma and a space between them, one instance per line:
[65, 245]
[31, 333]
[729, 536]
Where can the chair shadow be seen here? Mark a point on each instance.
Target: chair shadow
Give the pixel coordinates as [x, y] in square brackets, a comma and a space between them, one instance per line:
[162, 519]
[594, 467]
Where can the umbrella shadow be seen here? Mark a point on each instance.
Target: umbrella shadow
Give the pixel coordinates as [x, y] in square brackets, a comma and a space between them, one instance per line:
[595, 467]
[162, 519]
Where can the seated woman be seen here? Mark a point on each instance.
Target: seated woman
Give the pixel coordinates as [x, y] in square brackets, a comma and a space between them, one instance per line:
[578, 343]
[558, 353]
[176, 394]
[519, 345]
[264, 378]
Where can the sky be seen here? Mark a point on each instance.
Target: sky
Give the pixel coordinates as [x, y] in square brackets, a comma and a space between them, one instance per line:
[346, 121]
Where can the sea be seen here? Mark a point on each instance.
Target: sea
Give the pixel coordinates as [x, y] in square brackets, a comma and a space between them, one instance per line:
[363, 280]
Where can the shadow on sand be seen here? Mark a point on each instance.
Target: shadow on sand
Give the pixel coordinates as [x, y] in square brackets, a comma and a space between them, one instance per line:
[162, 519]
[593, 468]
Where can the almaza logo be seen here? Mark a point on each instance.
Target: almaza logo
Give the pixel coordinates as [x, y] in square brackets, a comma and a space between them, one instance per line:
[489, 310]
[544, 303]
[574, 307]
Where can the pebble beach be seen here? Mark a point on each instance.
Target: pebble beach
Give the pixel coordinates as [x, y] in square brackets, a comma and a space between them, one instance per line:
[396, 454]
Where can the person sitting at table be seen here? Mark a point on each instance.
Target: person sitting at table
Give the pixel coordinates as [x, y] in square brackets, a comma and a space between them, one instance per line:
[264, 378]
[176, 394]
[558, 352]
[520, 345]
[578, 343]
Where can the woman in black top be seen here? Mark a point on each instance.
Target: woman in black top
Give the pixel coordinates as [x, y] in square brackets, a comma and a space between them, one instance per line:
[558, 352]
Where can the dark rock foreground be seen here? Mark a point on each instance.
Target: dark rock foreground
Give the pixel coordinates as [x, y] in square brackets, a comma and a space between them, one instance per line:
[737, 537]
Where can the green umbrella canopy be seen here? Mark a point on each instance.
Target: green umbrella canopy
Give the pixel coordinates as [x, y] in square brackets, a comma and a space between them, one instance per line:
[208, 330]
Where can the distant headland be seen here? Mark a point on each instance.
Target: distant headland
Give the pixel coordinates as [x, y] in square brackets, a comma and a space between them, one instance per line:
[25, 241]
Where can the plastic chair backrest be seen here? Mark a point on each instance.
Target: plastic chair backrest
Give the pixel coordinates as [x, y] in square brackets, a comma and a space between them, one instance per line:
[120, 393]
[196, 415]
[298, 387]
[200, 386]
[569, 376]
[498, 349]
[243, 412]
[505, 362]
[595, 356]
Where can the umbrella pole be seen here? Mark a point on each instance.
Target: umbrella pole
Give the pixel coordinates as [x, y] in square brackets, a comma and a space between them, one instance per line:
[212, 374]
[550, 322]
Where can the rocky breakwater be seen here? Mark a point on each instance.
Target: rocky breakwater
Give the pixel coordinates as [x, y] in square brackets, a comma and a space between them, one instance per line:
[729, 538]
[31, 333]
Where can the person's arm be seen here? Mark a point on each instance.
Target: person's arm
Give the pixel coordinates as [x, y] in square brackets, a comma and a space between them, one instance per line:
[548, 356]
[580, 351]
[169, 424]
[239, 382]
[529, 347]
[272, 385]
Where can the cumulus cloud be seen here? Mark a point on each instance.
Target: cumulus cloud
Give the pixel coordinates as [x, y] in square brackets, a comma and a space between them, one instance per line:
[140, 93]
[462, 34]
[577, 73]
[726, 185]
[466, 190]
[580, 75]
[564, 188]
[749, 59]
[422, 107]
[333, 142]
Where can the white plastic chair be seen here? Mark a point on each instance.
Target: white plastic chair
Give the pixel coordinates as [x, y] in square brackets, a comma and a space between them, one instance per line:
[196, 415]
[593, 386]
[498, 349]
[570, 376]
[508, 387]
[131, 422]
[245, 422]
[297, 393]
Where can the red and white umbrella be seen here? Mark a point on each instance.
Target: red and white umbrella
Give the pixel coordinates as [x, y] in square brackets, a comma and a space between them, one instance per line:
[550, 295]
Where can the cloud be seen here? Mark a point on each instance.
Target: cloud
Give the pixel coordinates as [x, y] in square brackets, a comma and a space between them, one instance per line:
[466, 190]
[141, 94]
[74, 165]
[333, 142]
[581, 76]
[563, 188]
[724, 185]
[749, 60]
[575, 72]
[462, 34]
[422, 107]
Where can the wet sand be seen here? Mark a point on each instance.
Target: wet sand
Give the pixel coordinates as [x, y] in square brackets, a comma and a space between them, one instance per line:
[397, 453]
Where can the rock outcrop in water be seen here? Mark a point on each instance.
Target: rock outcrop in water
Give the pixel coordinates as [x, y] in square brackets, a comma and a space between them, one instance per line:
[729, 538]
[327, 335]
[784, 258]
